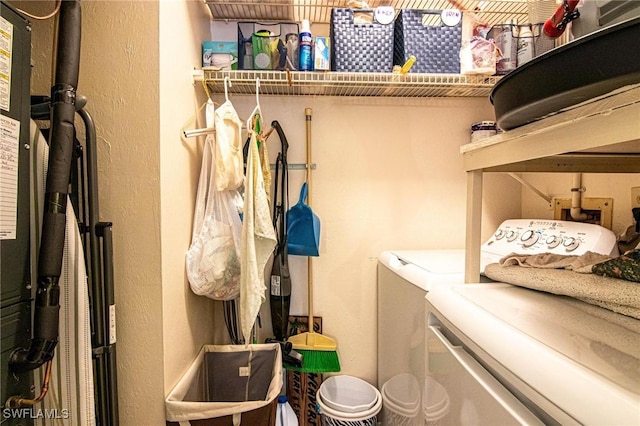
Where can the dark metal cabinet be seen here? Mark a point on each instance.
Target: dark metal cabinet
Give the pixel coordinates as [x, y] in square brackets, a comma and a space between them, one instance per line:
[15, 269]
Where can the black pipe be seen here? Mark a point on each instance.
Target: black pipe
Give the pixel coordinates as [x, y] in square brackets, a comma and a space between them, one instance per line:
[61, 144]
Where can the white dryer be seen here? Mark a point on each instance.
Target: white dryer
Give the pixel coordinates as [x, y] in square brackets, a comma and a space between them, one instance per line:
[405, 277]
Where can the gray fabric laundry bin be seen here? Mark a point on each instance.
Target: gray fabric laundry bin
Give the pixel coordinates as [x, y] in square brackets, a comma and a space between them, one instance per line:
[228, 385]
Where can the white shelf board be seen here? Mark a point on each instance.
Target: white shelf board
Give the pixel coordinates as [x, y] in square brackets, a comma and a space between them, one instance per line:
[609, 125]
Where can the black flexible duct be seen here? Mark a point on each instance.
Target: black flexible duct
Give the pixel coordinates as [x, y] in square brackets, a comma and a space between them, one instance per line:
[61, 143]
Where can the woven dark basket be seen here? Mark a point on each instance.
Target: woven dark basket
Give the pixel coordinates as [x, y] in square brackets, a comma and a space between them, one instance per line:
[435, 46]
[360, 48]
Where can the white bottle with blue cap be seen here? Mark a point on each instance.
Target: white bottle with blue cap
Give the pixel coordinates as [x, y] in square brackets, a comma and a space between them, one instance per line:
[285, 414]
[305, 47]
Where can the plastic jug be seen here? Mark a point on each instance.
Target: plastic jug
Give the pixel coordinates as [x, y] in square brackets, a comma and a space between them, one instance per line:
[285, 415]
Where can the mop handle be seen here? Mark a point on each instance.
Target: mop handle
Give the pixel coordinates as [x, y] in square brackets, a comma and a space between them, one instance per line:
[307, 114]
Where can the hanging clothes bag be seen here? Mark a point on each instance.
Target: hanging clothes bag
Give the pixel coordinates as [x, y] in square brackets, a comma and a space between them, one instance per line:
[303, 228]
[213, 259]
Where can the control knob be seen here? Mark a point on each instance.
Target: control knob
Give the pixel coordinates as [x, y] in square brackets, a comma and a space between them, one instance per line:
[570, 243]
[553, 241]
[511, 235]
[529, 238]
[499, 234]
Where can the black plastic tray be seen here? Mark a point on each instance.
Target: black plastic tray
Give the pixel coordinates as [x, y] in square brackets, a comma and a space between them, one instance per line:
[585, 68]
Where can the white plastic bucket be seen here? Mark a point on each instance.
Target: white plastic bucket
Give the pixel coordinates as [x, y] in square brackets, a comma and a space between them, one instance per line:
[401, 401]
[332, 417]
[348, 394]
[435, 401]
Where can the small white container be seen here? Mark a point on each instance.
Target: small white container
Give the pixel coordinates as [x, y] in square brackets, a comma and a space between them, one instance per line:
[331, 417]
[348, 394]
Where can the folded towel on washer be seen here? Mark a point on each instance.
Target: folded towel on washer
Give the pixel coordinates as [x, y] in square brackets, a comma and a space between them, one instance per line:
[578, 263]
[615, 294]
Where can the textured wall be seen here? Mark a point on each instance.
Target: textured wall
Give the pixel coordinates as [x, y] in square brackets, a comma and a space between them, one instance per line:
[188, 321]
[120, 76]
[389, 176]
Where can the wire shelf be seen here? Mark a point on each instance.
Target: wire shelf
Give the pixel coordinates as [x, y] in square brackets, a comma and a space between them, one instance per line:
[490, 11]
[350, 84]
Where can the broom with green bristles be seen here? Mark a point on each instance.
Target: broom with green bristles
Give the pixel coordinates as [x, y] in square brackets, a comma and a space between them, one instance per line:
[319, 352]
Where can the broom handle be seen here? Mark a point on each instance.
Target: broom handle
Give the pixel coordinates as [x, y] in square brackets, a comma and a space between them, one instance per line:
[307, 114]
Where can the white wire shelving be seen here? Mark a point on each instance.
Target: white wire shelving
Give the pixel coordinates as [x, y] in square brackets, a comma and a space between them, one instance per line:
[490, 11]
[349, 84]
[356, 84]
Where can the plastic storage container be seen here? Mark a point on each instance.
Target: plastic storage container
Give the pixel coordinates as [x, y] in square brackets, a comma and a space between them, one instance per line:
[255, 40]
[360, 47]
[401, 401]
[348, 394]
[432, 36]
[359, 401]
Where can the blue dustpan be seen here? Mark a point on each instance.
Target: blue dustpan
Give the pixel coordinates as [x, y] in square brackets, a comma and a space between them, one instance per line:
[303, 228]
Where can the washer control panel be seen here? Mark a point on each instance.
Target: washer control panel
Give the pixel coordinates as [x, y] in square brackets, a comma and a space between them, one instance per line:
[535, 236]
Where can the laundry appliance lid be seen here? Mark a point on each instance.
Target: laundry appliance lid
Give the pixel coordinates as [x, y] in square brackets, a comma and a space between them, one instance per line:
[435, 261]
[426, 268]
[582, 358]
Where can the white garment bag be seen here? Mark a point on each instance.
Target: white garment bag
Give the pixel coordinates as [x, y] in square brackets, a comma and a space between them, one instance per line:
[213, 259]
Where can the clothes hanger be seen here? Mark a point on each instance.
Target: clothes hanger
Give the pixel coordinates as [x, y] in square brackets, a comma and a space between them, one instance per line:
[190, 133]
[206, 130]
[257, 112]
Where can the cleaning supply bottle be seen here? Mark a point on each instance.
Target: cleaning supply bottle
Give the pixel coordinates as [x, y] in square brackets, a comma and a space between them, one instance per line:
[525, 45]
[305, 47]
[285, 415]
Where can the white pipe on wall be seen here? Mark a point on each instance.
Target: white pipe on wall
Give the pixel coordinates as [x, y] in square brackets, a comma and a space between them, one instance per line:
[576, 198]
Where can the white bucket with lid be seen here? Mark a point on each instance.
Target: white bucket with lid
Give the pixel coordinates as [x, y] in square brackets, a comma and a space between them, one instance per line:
[401, 400]
[368, 401]
[348, 394]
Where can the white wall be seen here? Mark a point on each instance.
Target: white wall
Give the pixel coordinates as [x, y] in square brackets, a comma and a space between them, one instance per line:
[188, 320]
[119, 75]
[389, 176]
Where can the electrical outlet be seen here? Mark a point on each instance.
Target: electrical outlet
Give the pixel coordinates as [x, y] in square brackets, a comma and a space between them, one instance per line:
[635, 197]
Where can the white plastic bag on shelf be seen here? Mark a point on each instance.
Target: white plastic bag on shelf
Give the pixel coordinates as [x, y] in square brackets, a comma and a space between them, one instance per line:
[478, 56]
[213, 259]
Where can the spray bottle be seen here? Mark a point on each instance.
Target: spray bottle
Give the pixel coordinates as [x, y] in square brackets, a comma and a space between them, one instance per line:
[305, 48]
[525, 45]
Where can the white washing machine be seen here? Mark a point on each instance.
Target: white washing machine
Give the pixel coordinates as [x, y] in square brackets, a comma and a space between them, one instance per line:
[505, 355]
[405, 277]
